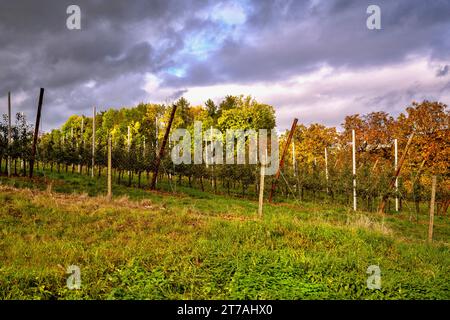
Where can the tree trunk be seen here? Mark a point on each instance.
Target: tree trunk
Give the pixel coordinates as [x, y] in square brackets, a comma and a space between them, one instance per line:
[24, 168]
[433, 195]
[201, 183]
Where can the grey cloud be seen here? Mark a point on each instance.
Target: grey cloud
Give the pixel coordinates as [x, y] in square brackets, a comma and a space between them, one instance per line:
[299, 38]
[121, 41]
[39, 51]
[442, 71]
[177, 94]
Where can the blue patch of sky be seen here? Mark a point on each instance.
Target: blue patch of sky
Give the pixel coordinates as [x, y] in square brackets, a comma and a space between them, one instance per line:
[177, 71]
[228, 19]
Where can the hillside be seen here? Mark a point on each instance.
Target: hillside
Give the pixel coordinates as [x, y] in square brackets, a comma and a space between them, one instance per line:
[195, 245]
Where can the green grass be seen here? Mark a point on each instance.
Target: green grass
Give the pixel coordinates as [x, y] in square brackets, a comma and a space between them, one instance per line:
[196, 245]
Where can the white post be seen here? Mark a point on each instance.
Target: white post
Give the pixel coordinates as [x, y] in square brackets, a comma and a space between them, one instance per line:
[170, 174]
[82, 143]
[293, 158]
[212, 157]
[128, 146]
[261, 187]
[128, 139]
[143, 149]
[82, 129]
[211, 144]
[354, 168]
[93, 140]
[396, 178]
[433, 195]
[9, 133]
[326, 168]
[206, 153]
[109, 195]
[156, 142]
[156, 134]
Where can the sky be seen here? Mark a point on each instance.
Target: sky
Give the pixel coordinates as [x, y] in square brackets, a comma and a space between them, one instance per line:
[315, 59]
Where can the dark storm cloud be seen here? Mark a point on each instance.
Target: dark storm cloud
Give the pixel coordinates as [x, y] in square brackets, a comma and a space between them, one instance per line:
[442, 71]
[39, 51]
[105, 64]
[294, 37]
[177, 94]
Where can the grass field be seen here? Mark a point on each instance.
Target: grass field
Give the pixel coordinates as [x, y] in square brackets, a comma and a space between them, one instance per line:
[195, 245]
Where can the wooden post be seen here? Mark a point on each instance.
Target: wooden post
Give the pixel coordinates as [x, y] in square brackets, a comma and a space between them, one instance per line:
[375, 165]
[433, 195]
[9, 134]
[396, 178]
[354, 168]
[277, 176]
[326, 168]
[93, 140]
[163, 145]
[36, 131]
[109, 196]
[396, 174]
[261, 187]
[128, 149]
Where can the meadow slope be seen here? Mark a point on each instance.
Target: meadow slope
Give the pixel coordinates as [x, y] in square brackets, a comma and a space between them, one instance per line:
[159, 245]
